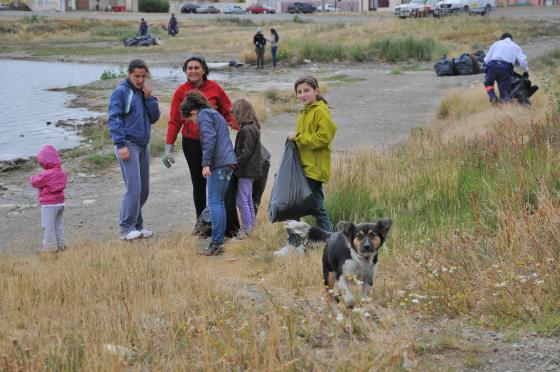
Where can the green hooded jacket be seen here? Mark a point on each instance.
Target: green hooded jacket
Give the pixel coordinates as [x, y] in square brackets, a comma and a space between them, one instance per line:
[315, 131]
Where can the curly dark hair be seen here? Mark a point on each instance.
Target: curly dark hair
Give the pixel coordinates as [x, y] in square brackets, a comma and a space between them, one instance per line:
[202, 62]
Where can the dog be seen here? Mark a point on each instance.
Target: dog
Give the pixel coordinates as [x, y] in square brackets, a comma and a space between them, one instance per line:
[350, 254]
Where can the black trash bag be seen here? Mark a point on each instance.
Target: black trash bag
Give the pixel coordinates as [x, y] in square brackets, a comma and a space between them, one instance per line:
[463, 65]
[291, 196]
[146, 40]
[479, 56]
[522, 89]
[203, 227]
[444, 67]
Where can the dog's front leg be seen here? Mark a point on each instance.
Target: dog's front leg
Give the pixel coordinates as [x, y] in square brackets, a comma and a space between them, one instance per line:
[348, 296]
[365, 287]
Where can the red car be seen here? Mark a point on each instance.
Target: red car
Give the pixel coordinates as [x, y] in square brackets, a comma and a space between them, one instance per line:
[257, 9]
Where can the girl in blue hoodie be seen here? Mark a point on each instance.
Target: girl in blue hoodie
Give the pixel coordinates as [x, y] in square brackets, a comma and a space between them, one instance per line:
[218, 162]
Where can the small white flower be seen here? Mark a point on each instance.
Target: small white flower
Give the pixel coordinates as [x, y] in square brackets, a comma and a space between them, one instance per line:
[443, 269]
[339, 317]
[415, 301]
[500, 285]
[535, 275]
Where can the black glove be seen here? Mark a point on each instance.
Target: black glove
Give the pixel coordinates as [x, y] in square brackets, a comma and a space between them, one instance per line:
[526, 75]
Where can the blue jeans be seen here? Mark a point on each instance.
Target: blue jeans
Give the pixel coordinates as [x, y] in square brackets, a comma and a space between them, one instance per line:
[218, 183]
[274, 49]
[321, 217]
[136, 175]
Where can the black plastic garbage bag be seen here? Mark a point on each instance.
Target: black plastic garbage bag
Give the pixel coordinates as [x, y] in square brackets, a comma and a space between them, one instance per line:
[203, 227]
[464, 65]
[522, 89]
[444, 67]
[291, 196]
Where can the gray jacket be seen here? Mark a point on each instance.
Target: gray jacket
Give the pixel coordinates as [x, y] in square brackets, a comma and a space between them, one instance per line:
[217, 149]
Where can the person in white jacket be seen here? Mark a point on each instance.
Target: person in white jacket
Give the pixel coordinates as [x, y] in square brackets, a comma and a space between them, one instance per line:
[501, 57]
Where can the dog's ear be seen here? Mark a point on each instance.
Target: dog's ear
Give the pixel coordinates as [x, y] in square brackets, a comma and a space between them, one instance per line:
[384, 226]
[346, 228]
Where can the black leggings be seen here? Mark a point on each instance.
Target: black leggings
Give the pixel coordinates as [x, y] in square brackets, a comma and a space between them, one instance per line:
[193, 153]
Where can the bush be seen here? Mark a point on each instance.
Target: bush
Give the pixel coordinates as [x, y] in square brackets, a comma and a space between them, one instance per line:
[154, 6]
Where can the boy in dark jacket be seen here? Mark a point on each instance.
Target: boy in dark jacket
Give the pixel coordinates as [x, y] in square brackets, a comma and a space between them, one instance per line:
[249, 161]
[132, 111]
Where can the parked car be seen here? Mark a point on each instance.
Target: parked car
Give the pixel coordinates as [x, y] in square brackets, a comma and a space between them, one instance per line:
[260, 9]
[328, 8]
[401, 11]
[189, 8]
[446, 7]
[301, 8]
[233, 9]
[208, 9]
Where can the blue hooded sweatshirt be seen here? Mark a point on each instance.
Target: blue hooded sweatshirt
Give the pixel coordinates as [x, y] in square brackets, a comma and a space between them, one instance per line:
[131, 116]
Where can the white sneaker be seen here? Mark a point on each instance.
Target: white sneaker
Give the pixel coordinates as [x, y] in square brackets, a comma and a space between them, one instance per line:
[146, 233]
[134, 234]
[289, 249]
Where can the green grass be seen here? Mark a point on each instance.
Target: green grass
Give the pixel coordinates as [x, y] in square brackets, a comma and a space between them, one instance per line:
[241, 22]
[101, 160]
[343, 78]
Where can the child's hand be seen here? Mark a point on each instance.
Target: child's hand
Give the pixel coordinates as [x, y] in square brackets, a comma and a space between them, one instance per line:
[206, 171]
[292, 135]
[124, 154]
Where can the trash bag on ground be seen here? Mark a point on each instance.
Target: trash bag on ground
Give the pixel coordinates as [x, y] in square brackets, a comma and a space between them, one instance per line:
[203, 227]
[291, 196]
[463, 65]
[444, 67]
[146, 40]
[522, 89]
[479, 56]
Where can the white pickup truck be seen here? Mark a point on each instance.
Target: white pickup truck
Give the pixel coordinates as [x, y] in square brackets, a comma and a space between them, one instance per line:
[445, 7]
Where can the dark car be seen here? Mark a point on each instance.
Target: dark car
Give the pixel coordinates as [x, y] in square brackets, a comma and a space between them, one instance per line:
[301, 8]
[189, 8]
[208, 9]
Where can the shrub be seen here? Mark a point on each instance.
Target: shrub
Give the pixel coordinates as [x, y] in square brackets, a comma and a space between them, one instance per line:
[154, 6]
[405, 48]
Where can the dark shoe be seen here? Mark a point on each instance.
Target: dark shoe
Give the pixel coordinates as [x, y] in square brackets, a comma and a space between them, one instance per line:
[212, 249]
[494, 101]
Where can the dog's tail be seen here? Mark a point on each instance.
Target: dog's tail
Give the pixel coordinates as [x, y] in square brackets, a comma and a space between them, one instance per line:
[312, 234]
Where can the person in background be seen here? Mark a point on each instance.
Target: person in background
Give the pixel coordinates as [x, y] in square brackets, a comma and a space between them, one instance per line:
[143, 30]
[249, 162]
[218, 162]
[51, 183]
[260, 43]
[132, 111]
[313, 136]
[274, 38]
[196, 71]
[172, 26]
[501, 57]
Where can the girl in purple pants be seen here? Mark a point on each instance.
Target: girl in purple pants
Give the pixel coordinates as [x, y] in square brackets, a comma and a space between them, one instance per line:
[249, 161]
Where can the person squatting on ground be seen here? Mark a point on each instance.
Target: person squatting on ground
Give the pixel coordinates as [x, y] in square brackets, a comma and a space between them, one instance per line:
[143, 29]
[51, 183]
[260, 43]
[274, 38]
[196, 71]
[499, 67]
[218, 162]
[132, 111]
[313, 136]
[249, 161]
[172, 26]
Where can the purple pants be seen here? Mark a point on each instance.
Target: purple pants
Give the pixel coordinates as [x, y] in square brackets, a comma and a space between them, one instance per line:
[244, 200]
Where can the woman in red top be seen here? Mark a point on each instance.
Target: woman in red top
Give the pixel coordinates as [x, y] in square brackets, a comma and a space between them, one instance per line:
[196, 70]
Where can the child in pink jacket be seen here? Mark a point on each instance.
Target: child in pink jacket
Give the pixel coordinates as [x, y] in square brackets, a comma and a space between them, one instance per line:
[51, 183]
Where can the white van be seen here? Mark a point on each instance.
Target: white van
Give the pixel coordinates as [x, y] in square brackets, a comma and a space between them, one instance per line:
[446, 7]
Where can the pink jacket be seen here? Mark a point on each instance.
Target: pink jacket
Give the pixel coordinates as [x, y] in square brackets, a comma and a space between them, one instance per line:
[52, 181]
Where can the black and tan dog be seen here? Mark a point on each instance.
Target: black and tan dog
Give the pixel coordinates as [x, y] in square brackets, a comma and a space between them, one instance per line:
[350, 255]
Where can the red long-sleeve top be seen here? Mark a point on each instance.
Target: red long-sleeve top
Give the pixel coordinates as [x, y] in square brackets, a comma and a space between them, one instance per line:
[214, 93]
